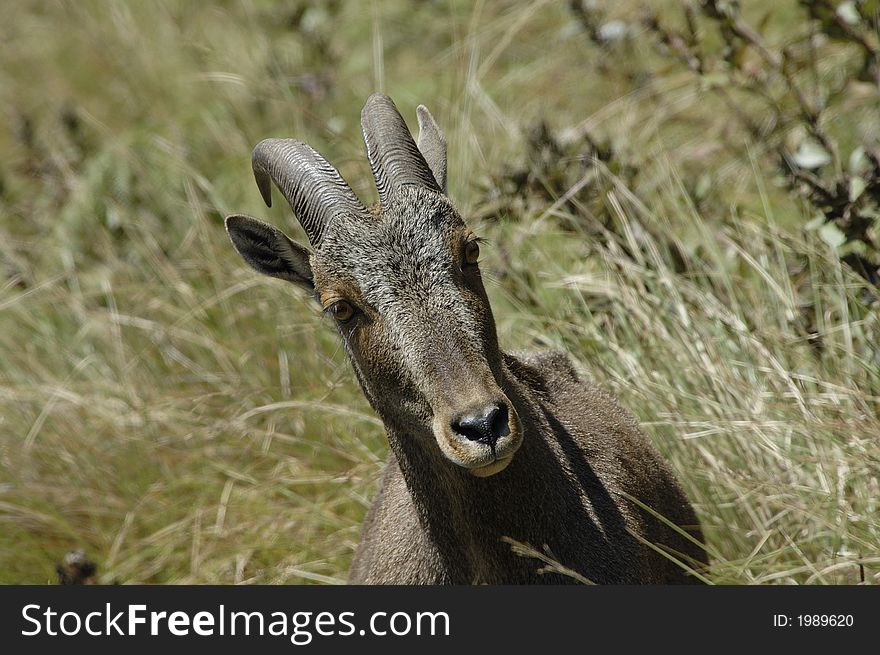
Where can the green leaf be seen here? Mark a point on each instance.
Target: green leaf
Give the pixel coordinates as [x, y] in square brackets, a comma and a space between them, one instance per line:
[832, 235]
[857, 160]
[849, 13]
[704, 185]
[816, 222]
[811, 155]
[854, 246]
[856, 186]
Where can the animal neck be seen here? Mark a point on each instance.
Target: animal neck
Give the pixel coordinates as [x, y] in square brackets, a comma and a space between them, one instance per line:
[465, 515]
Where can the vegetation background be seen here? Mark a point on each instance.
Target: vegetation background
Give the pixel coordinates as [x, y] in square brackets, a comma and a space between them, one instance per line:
[649, 176]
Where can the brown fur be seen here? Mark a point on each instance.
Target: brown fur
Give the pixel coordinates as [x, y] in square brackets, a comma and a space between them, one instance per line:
[421, 338]
[562, 490]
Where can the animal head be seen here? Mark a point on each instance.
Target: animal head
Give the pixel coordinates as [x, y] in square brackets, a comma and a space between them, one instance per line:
[401, 281]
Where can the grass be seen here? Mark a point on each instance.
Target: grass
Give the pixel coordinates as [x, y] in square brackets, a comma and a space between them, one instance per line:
[185, 420]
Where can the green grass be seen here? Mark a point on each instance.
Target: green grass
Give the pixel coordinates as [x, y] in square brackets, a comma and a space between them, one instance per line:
[186, 420]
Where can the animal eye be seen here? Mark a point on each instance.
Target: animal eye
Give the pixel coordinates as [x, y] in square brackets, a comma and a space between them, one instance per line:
[341, 310]
[471, 252]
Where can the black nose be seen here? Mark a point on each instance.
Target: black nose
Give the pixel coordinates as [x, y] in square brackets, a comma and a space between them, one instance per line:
[486, 425]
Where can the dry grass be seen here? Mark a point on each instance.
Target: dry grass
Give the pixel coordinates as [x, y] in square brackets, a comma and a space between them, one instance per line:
[185, 420]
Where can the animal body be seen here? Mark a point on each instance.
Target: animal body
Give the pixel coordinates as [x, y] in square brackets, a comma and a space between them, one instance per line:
[486, 447]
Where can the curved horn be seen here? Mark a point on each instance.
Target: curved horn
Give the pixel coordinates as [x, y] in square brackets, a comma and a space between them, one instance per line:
[314, 189]
[394, 156]
[432, 145]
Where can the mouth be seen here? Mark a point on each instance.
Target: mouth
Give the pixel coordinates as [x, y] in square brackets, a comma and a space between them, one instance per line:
[492, 468]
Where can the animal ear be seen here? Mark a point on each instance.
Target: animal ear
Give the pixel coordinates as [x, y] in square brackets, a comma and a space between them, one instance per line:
[432, 145]
[394, 157]
[269, 251]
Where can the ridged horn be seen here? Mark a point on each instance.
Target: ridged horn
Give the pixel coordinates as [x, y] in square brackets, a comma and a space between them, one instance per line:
[314, 189]
[394, 157]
